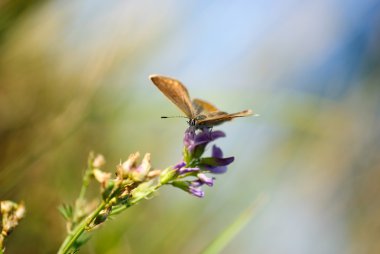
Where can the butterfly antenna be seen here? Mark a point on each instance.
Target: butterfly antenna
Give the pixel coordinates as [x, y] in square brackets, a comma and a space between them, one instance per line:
[173, 117]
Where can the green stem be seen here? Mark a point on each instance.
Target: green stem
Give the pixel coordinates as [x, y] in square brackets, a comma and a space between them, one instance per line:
[86, 182]
[79, 229]
[2, 239]
[133, 201]
[2, 248]
[86, 177]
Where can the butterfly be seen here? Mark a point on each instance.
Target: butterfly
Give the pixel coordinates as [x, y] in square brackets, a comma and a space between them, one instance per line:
[199, 112]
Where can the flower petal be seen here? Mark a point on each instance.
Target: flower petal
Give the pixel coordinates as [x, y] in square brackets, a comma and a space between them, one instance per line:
[196, 183]
[207, 136]
[217, 152]
[216, 170]
[214, 162]
[193, 138]
[196, 191]
[139, 173]
[180, 165]
[187, 170]
[129, 164]
[205, 179]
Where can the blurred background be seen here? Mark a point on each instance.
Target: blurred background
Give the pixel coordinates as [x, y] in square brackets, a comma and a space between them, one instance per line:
[74, 78]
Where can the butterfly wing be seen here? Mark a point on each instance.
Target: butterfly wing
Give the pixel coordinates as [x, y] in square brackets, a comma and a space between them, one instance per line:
[209, 115]
[215, 118]
[176, 92]
[202, 107]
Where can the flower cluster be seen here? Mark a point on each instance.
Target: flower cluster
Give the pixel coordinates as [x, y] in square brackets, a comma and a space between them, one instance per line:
[10, 213]
[195, 166]
[132, 180]
[136, 181]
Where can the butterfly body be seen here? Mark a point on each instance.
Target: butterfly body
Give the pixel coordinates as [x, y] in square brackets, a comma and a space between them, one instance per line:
[199, 112]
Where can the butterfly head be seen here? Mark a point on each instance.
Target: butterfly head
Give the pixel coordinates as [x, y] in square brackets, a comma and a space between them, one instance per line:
[192, 122]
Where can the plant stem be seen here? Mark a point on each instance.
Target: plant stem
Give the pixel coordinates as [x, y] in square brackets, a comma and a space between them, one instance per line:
[79, 229]
[133, 201]
[2, 239]
[86, 178]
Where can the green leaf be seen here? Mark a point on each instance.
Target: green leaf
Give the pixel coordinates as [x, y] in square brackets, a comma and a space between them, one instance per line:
[108, 189]
[183, 185]
[209, 161]
[142, 191]
[66, 211]
[186, 156]
[199, 150]
[167, 175]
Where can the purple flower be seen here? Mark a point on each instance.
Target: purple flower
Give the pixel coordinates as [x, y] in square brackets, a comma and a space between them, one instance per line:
[205, 179]
[180, 168]
[193, 187]
[192, 139]
[187, 170]
[195, 166]
[180, 165]
[196, 191]
[216, 164]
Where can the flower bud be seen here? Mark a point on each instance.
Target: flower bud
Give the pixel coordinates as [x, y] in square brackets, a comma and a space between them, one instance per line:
[125, 169]
[205, 179]
[6, 206]
[11, 214]
[191, 187]
[102, 216]
[20, 211]
[101, 177]
[99, 161]
[154, 173]
[139, 173]
[196, 191]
